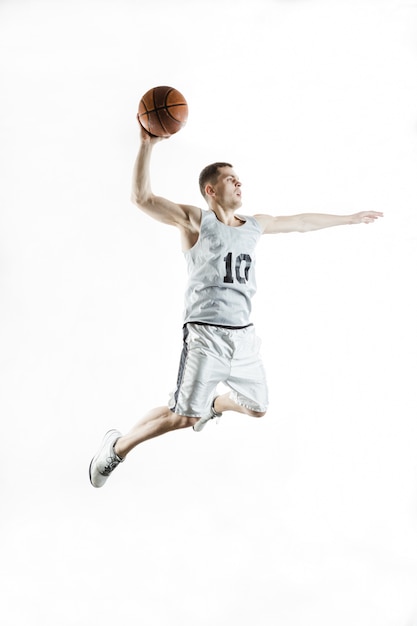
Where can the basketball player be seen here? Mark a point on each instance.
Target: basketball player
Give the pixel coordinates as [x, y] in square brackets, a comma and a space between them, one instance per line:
[220, 344]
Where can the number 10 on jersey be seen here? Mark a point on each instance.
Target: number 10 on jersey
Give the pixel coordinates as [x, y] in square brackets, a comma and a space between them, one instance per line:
[241, 259]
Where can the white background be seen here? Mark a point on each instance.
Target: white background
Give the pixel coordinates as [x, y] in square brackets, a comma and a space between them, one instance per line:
[309, 515]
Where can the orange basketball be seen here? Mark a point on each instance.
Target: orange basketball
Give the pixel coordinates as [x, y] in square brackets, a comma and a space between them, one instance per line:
[163, 111]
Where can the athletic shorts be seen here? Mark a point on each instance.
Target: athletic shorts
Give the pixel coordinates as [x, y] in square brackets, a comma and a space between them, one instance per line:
[213, 355]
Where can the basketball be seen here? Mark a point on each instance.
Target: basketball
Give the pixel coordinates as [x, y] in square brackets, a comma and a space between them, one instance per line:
[163, 111]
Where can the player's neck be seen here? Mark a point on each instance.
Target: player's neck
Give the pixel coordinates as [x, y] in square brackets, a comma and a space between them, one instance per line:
[226, 216]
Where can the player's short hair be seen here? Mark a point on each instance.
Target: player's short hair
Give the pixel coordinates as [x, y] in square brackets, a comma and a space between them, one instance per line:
[210, 175]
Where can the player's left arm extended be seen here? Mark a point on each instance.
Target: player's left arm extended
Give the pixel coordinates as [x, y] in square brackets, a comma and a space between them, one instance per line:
[305, 222]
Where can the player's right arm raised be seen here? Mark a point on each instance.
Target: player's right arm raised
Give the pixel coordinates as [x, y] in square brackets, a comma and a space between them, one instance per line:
[185, 217]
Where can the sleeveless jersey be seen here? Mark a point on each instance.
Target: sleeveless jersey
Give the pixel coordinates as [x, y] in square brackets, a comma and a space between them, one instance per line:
[221, 276]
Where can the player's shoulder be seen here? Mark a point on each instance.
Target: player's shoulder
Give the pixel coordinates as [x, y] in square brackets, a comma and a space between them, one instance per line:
[258, 221]
[264, 221]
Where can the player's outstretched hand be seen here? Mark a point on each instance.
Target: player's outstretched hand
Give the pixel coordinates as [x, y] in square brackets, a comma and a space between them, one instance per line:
[366, 217]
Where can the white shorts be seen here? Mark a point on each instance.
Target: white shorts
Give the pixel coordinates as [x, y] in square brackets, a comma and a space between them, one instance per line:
[213, 355]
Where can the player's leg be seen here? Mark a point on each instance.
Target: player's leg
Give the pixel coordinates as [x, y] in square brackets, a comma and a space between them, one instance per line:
[156, 422]
[116, 446]
[225, 402]
[197, 379]
[222, 404]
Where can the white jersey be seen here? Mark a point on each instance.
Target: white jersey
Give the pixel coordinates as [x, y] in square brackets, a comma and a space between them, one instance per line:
[221, 272]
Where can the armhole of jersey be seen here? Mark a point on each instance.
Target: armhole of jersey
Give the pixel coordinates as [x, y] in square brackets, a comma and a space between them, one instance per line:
[257, 224]
[202, 212]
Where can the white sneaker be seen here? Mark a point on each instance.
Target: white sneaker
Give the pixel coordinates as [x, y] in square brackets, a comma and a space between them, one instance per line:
[106, 460]
[198, 426]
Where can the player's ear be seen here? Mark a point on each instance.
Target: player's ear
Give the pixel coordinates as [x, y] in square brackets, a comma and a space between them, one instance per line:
[209, 189]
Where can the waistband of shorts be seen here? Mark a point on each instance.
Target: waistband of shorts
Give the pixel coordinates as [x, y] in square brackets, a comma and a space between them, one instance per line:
[218, 325]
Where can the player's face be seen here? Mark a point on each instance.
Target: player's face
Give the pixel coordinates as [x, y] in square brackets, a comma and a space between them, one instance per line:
[227, 188]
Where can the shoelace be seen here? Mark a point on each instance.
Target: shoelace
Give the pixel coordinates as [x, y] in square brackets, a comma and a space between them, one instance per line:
[111, 463]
